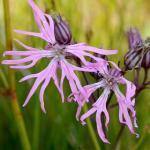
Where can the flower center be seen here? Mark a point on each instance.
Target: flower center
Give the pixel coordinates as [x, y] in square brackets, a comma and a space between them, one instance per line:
[110, 82]
[58, 51]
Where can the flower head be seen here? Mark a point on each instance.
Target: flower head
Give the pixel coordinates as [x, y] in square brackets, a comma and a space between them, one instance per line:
[58, 37]
[110, 81]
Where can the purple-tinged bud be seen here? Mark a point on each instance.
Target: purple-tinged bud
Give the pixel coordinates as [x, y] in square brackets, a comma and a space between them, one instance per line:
[62, 31]
[146, 43]
[134, 38]
[146, 60]
[134, 58]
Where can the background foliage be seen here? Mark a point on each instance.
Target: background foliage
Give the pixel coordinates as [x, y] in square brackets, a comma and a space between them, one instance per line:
[101, 23]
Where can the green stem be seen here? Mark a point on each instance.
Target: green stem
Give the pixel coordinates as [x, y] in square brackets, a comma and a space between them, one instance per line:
[89, 124]
[5, 82]
[36, 128]
[91, 130]
[14, 102]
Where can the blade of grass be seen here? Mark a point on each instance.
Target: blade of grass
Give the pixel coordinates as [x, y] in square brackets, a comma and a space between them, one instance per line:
[3, 78]
[14, 101]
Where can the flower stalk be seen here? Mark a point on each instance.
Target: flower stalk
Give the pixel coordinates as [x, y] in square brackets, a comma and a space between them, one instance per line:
[91, 130]
[14, 102]
[89, 123]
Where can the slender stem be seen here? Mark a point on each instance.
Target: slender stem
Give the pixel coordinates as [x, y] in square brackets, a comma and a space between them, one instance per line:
[36, 128]
[118, 137]
[91, 130]
[145, 75]
[85, 109]
[5, 82]
[89, 124]
[136, 76]
[15, 105]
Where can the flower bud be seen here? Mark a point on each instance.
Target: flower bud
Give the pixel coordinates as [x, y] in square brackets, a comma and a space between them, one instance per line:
[134, 58]
[146, 60]
[146, 43]
[134, 39]
[62, 32]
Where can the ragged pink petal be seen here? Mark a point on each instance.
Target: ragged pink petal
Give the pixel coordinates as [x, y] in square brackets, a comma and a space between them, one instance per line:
[131, 89]
[50, 73]
[25, 66]
[39, 35]
[87, 114]
[41, 76]
[82, 68]
[51, 28]
[124, 106]
[74, 82]
[99, 106]
[46, 27]
[26, 47]
[38, 81]
[92, 49]
[20, 61]
[61, 84]
[29, 77]
[100, 128]
[78, 112]
[21, 53]
[82, 54]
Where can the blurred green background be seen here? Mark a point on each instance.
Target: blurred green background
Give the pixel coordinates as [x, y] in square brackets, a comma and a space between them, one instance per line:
[101, 23]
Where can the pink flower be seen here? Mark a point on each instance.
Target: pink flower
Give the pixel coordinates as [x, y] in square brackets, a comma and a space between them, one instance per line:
[56, 52]
[110, 80]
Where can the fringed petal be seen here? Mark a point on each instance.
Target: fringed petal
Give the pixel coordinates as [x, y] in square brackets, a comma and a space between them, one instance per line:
[99, 106]
[124, 107]
[46, 26]
[92, 49]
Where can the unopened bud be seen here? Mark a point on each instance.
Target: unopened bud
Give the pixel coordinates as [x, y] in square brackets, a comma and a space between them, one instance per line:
[146, 60]
[134, 58]
[134, 39]
[62, 31]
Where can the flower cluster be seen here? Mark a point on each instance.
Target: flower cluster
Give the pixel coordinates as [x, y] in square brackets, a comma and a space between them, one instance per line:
[60, 51]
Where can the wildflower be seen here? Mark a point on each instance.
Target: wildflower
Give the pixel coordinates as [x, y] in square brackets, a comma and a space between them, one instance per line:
[56, 33]
[135, 54]
[112, 78]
